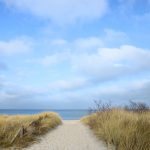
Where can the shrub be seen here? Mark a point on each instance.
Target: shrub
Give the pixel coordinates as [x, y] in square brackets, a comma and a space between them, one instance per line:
[137, 107]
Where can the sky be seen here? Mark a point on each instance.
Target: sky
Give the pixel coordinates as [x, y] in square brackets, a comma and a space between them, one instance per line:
[63, 54]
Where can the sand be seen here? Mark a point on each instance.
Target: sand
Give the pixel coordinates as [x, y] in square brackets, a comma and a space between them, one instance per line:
[71, 135]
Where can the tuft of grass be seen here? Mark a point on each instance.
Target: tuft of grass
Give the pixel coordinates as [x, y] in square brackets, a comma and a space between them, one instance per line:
[126, 130]
[21, 130]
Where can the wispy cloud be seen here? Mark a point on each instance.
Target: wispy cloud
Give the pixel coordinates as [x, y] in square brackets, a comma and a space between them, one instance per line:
[62, 11]
[16, 46]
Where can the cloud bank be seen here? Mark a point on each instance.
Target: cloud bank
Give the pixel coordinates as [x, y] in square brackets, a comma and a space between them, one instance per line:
[79, 50]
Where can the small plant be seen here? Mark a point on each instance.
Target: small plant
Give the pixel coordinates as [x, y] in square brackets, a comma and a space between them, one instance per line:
[138, 107]
[99, 106]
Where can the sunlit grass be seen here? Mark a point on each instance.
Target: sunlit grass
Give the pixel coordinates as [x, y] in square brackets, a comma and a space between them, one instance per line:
[123, 129]
[21, 130]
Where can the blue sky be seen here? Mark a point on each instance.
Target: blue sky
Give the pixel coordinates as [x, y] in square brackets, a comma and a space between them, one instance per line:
[66, 53]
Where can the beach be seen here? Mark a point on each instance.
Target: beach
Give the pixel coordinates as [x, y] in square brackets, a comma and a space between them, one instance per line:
[71, 135]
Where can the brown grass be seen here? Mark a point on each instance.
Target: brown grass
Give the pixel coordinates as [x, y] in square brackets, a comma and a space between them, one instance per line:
[21, 130]
[123, 129]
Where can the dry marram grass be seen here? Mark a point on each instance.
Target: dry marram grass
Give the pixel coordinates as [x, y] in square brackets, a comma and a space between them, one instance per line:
[123, 129]
[21, 130]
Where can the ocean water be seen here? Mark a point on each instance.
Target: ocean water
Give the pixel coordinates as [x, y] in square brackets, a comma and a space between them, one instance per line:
[64, 114]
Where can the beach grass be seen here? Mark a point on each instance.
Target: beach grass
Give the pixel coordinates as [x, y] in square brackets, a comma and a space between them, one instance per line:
[121, 129]
[21, 130]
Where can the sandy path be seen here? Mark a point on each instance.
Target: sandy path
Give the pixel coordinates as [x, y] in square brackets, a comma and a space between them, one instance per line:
[72, 135]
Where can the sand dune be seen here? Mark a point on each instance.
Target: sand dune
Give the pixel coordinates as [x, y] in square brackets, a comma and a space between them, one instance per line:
[71, 135]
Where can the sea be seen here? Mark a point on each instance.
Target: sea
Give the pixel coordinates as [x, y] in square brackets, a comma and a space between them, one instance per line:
[64, 114]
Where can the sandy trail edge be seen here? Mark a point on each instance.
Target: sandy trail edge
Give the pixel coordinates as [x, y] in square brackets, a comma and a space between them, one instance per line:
[71, 135]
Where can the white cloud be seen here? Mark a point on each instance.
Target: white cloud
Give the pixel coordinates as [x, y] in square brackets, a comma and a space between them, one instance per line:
[53, 59]
[62, 11]
[89, 57]
[14, 46]
[119, 92]
[112, 35]
[64, 85]
[67, 93]
[113, 62]
[5, 95]
[102, 64]
[122, 87]
[63, 50]
[59, 42]
[87, 43]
